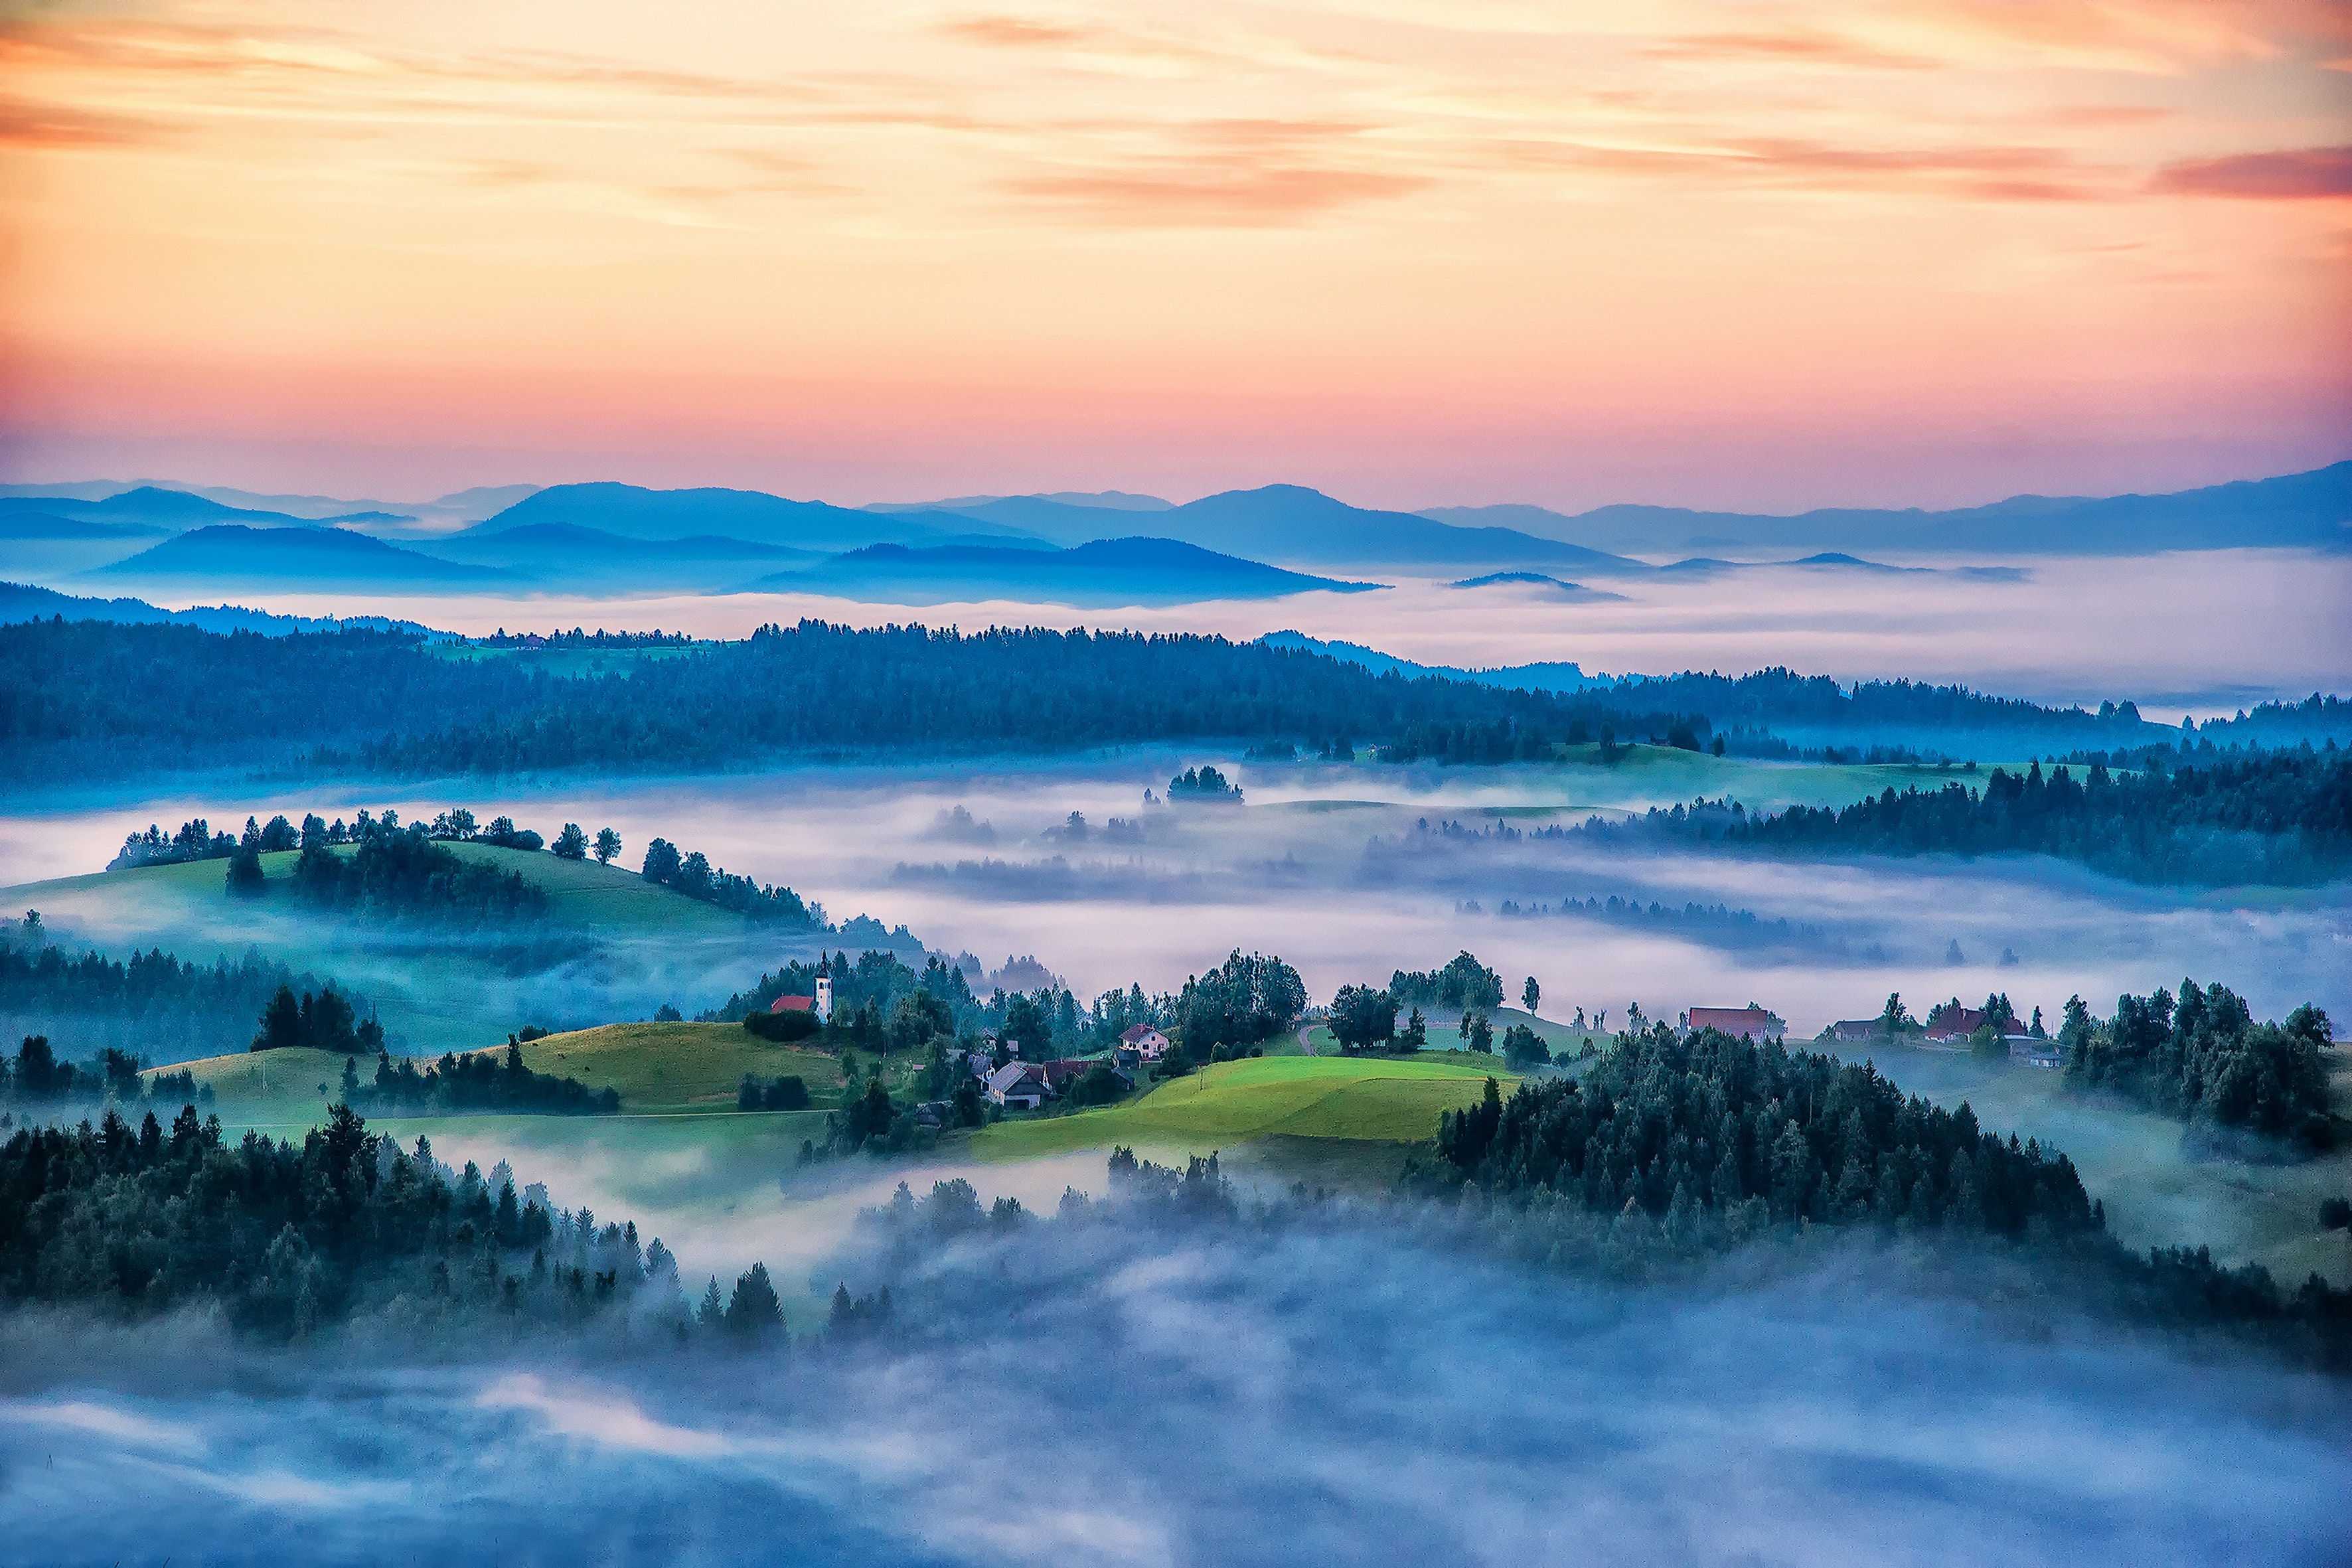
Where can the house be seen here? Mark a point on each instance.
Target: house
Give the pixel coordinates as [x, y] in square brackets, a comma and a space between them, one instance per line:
[1147, 1043]
[981, 1063]
[821, 1003]
[1952, 1022]
[2033, 1051]
[1016, 1084]
[1855, 1031]
[932, 1113]
[1754, 1022]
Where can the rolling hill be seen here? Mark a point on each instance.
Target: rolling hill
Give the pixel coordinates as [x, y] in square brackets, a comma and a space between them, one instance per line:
[296, 556]
[1106, 571]
[1380, 1099]
[753, 516]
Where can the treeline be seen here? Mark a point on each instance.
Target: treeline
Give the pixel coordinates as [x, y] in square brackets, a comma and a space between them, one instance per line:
[1783, 697]
[42, 1080]
[196, 841]
[2281, 817]
[1674, 1145]
[2205, 1060]
[151, 1003]
[103, 699]
[473, 1081]
[693, 875]
[289, 1239]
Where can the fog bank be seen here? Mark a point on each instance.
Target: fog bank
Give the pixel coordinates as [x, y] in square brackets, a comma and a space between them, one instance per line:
[1341, 1392]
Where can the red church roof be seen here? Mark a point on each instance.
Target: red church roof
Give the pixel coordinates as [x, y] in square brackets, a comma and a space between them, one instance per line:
[793, 1005]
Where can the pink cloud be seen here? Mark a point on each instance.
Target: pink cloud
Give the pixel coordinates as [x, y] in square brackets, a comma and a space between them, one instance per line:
[2301, 173]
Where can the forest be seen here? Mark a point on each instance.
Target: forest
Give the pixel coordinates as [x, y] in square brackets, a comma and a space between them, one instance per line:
[2281, 818]
[2205, 1060]
[693, 875]
[291, 1238]
[1682, 1144]
[149, 1003]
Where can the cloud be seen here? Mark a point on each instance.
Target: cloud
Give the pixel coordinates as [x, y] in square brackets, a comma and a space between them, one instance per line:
[2303, 174]
[55, 126]
[1789, 47]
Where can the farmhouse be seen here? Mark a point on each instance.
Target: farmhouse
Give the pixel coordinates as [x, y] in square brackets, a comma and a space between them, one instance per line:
[1953, 1022]
[1017, 1084]
[1147, 1043]
[1858, 1029]
[1754, 1022]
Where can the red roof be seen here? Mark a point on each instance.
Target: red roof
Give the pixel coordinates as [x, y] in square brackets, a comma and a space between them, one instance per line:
[1135, 1031]
[793, 1005]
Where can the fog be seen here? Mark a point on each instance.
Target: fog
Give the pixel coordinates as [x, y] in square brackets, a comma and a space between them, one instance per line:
[1347, 1389]
[2205, 632]
[1327, 866]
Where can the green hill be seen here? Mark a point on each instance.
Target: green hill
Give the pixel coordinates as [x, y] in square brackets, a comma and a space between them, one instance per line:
[679, 1067]
[1362, 1097]
[435, 988]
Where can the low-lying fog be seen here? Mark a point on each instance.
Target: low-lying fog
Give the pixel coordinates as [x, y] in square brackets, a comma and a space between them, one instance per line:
[1330, 868]
[1338, 1391]
[2205, 631]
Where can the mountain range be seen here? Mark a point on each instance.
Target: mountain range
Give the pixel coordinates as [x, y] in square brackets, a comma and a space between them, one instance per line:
[1102, 571]
[2309, 510]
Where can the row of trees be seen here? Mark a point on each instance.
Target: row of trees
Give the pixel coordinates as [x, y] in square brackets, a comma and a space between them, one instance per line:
[2281, 817]
[473, 1081]
[322, 1020]
[104, 700]
[693, 875]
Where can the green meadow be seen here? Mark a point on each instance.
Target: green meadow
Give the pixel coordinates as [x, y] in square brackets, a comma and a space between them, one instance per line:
[1361, 1097]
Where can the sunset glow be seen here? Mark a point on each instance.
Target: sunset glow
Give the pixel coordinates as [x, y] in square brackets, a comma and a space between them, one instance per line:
[1768, 255]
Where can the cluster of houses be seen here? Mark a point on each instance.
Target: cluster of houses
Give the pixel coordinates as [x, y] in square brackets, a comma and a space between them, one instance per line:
[1022, 1085]
[1951, 1026]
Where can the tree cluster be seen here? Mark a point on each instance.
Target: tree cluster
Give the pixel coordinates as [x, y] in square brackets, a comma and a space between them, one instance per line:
[473, 1081]
[1682, 1127]
[289, 1239]
[2205, 1060]
[402, 873]
[1241, 1002]
[1463, 984]
[323, 1020]
[693, 875]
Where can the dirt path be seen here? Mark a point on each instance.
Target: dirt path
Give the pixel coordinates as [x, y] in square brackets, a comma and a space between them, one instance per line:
[1304, 1042]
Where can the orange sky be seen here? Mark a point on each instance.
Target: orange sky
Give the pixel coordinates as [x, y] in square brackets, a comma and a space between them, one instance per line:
[1410, 251]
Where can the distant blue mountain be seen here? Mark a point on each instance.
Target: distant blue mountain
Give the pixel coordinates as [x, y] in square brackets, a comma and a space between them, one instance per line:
[21, 602]
[15, 524]
[2309, 510]
[234, 554]
[1548, 677]
[634, 513]
[1102, 571]
[1535, 579]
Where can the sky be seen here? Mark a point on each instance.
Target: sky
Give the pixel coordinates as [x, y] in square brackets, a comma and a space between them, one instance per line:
[1412, 252]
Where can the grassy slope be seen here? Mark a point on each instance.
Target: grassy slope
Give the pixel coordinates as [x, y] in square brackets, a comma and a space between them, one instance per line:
[677, 1067]
[1222, 1105]
[427, 985]
[2132, 1160]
